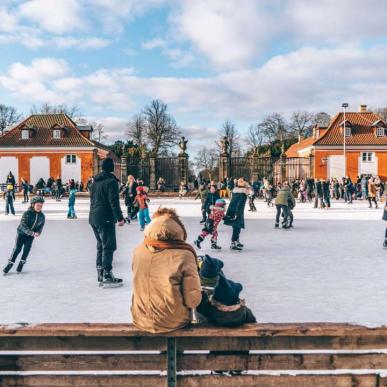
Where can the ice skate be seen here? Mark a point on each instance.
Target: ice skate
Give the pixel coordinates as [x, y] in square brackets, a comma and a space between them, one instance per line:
[8, 267]
[109, 281]
[203, 221]
[215, 246]
[19, 268]
[235, 247]
[99, 274]
[385, 243]
[198, 242]
[239, 244]
[276, 225]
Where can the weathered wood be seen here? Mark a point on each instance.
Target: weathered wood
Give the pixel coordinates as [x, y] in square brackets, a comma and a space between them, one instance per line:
[83, 381]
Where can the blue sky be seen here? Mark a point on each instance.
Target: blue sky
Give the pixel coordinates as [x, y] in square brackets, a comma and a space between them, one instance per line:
[210, 60]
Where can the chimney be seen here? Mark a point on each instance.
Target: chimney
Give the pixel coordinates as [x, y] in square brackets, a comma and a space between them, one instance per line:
[363, 109]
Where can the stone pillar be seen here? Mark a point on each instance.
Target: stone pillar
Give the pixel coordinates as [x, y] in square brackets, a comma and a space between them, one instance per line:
[152, 172]
[183, 167]
[124, 168]
[224, 159]
[283, 167]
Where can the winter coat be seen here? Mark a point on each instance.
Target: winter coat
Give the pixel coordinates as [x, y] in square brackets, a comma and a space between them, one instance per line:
[202, 194]
[318, 189]
[210, 200]
[235, 215]
[130, 192]
[11, 179]
[385, 212]
[72, 197]
[326, 189]
[284, 196]
[104, 200]
[224, 315]
[142, 201]
[166, 283]
[371, 189]
[31, 222]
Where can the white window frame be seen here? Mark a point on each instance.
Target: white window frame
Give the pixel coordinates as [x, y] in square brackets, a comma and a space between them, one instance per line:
[348, 131]
[25, 134]
[380, 131]
[71, 159]
[56, 134]
[367, 157]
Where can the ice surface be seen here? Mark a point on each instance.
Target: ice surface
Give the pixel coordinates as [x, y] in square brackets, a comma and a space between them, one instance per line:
[331, 267]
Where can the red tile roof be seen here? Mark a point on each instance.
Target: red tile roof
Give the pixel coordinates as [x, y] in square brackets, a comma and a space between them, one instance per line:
[293, 150]
[362, 130]
[41, 134]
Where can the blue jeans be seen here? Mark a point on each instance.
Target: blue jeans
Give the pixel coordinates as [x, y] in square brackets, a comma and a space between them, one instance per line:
[71, 211]
[143, 217]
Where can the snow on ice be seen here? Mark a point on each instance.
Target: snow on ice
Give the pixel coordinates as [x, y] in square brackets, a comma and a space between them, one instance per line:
[331, 267]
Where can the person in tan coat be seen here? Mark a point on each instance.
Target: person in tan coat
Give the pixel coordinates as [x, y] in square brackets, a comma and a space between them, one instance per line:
[372, 192]
[166, 283]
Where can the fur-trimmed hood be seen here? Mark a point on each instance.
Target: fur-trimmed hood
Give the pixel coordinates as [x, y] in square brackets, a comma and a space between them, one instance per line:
[244, 190]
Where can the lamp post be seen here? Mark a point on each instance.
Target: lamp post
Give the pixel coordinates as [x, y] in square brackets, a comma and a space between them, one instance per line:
[344, 106]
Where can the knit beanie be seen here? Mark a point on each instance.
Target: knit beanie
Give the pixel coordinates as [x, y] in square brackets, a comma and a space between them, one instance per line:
[108, 165]
[226, 291]
[211, 267]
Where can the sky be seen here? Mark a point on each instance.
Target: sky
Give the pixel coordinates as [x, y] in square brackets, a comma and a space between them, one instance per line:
[209, 60]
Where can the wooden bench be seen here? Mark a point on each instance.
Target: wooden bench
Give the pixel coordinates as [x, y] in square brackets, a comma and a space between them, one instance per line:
[302, 355]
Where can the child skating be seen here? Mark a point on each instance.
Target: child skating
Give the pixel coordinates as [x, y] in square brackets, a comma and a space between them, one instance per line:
[212, 223]
[142, 200]
[71, 204]
[30, 227]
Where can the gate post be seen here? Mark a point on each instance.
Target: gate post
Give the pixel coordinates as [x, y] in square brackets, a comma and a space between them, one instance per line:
[124, 165]
[283, 166]
[152, 172]
[224, 160]
[183, 161]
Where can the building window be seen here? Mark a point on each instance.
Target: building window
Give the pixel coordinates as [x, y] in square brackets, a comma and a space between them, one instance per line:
[56, 134]
[71, 159]
[367, 157]
[25, 134]
[347, 131]
[380, 131]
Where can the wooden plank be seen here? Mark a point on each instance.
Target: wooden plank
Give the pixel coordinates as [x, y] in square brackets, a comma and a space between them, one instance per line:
[280, 381]
[83, 381]
[119, 362]
[247, 330]
[87, 343]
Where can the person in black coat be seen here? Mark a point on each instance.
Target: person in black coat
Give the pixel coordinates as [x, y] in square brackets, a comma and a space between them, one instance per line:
[130, 191]
[105, 212]
[326, 193]
[59, 187]
[235, 215]
[211, 199]
[318, 194]
[30, 227]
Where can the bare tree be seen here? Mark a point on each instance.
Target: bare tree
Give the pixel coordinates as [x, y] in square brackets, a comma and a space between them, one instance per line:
[274, 127]
[301, 123]
[161, 129]
[136, 130]
[206, 160]
[382, 112]
[228, 130]
[73, 111]
[98, 132]
[255, 136]
[323, 119]
[8, 116]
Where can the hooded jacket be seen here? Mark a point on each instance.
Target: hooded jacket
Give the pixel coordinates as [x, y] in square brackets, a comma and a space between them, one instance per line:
[235, 215]
[284, 197]
[31, 222]
[104, 200]
[166, 283]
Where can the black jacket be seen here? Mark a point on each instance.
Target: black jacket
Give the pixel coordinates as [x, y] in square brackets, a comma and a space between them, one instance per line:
[130, 193]
[104, 200]
[235, 215]
[31, 222]
[210, 200]
[318, 189]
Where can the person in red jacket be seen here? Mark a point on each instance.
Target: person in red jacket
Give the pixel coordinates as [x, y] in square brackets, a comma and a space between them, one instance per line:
[142, 200]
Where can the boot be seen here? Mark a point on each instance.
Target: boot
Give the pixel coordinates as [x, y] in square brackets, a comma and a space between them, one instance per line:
[99, 274]
[385, 243]
[214, 245]
[8, 267]
[198, 242]
[276, 225]
[109, 281]
[19, 268]
[203, 221]
[235, 247]
[239, 244]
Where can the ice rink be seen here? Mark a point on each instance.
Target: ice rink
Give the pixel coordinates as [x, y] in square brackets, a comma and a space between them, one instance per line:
[331, 267]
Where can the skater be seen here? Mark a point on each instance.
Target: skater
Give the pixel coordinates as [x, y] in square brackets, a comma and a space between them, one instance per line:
[9, 199]
[30, 227]
[282, 201]
[372, 192]
[235, 215]
[211, 199]
[252, 196]
[326, 193]
[105, 212]
[202, 194]
[211, 225]
[183, 189]
[142, 200]
[385, 218]
[26, 190]
[71, 204]
[59, 188]
[130, 192]
[318, 194]
[166, 283]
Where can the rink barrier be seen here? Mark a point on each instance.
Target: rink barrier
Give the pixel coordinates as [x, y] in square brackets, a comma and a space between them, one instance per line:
[120, 355]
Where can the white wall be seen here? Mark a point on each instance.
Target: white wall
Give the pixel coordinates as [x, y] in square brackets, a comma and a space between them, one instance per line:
[336, 167]
[71, 171]
[368, 167]
[39, 168]
[9, 164]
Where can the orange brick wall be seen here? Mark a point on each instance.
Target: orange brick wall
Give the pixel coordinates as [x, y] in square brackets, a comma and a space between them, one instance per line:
[55, 163]
[320, 167]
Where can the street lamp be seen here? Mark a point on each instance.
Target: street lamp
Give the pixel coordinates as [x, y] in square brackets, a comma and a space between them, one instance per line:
[344, 106]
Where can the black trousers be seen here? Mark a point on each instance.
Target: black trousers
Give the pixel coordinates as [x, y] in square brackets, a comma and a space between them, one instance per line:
[26, 197]
[236, 231]
[373, 199]
[385, 234]
[106, 244]
[9, 206]
[22, 242]
[281, 207]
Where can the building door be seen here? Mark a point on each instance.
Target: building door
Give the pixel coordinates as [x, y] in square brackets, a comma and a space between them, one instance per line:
[368, 163]
[71, 168]
[39, 168]
[336, 167]
[8, 164]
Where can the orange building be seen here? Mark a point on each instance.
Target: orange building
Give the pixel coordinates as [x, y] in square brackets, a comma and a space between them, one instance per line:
[366, 146]
[50, 145]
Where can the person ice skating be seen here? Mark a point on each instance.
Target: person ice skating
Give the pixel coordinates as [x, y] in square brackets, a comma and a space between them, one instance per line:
[235, 215]
[59, 187]
[372, 192]
[26, 190]
[252, 196]
[202, 194]
[166, 283]
[318, 194]
[71, 203]
[183, 189]
[284, 197]
[30, 227]
[211, 198]
[105, 212]
[142, 200]
[211, 226]
[9, 199]
[130, 192]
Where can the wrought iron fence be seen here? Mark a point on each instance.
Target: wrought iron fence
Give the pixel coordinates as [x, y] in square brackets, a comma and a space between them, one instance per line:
[169, 169]
[140, 169]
